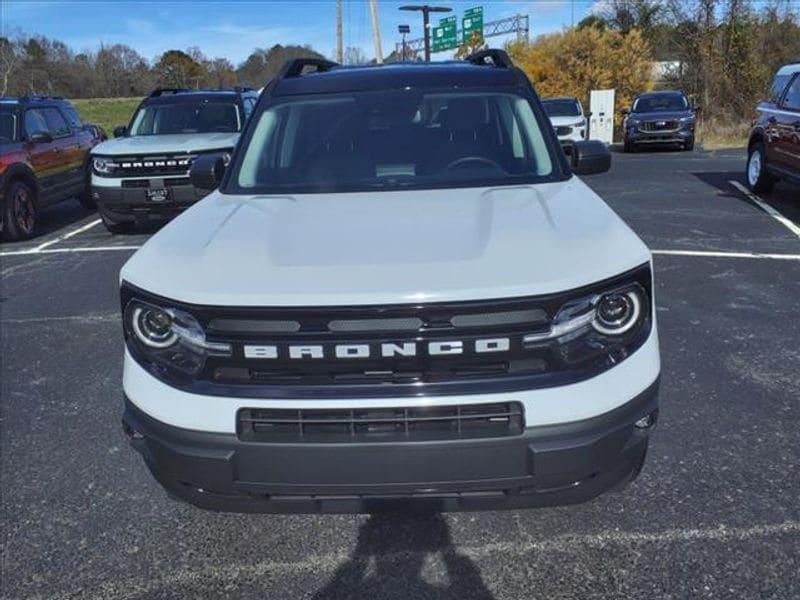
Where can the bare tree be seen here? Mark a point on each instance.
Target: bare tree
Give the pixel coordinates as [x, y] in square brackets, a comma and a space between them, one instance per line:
[10, 59]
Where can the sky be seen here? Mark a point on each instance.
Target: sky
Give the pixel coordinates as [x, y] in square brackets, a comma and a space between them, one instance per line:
[232, 29]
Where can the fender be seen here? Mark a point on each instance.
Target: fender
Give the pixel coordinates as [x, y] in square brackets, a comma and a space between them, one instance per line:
[20, 170]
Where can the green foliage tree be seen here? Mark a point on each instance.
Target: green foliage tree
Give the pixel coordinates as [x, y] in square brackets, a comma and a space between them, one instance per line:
[177, 69]
[576, 61]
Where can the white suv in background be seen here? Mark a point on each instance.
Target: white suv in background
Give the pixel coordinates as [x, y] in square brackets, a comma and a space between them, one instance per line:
[566, 115]
[400, 292]
[143, 174]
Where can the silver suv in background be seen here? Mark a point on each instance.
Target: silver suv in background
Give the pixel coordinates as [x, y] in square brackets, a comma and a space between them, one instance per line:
[567, 117]
[143, 174]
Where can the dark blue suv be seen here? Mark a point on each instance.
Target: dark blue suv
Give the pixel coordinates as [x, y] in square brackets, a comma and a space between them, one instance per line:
[666, 117]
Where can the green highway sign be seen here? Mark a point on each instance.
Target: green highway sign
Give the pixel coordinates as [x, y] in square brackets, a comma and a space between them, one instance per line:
[472, 22]
[445, 35]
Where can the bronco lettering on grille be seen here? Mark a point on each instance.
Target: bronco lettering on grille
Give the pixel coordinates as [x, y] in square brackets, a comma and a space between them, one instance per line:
[386, 350]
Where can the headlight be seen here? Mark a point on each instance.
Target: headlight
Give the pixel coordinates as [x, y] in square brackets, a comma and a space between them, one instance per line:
[611, 314]
[617, 312]
[686, 119]
[169, 338]
[103, 165]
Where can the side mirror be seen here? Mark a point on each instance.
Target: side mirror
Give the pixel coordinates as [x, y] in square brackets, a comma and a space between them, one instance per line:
[120, 131]
[624, 111]
[207, 171]
[41, 137]
[589, 157]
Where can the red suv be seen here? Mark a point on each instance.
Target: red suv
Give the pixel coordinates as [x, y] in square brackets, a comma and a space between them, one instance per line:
[774, 147]
[44, 150]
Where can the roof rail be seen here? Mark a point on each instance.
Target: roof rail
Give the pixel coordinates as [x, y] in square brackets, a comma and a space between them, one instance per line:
[39, 97]
[295, 66]
[499, 58]
[164, 91]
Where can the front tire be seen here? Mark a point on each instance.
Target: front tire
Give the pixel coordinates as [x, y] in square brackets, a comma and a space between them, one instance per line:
[20, 212]
[628, 147]
[689, 146]
[758, 179]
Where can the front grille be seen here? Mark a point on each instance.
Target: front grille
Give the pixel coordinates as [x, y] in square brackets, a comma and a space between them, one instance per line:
[147, 183]
[659, 126]
[153, 165]
[429, 423]
[446, 348]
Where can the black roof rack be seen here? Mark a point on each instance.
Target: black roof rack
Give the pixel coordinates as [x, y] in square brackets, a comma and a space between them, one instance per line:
[295, 67]
[499, 58]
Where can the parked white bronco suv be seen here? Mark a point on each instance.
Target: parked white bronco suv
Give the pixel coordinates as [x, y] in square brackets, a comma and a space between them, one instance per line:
[400, 291]
[143, 174]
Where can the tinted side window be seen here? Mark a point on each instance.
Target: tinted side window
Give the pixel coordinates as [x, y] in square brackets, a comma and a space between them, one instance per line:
[792, 100]
[8, 127]
[72, 116]
[56, 123]
[35, 122]
[776, 91]
[249, 105]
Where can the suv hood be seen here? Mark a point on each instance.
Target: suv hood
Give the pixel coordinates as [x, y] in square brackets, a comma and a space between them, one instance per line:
[661, 116]
[386, 247]
[171, 143]
[567, 121]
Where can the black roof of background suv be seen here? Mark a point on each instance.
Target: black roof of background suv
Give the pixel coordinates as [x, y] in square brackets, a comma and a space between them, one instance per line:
[397, 75]
[175, 95]
[31, 99]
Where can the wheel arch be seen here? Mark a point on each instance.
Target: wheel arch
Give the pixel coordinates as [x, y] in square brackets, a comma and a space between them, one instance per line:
[755, 137]
[23, 173]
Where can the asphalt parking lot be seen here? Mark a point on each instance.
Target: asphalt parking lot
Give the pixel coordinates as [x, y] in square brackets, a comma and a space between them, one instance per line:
[715, 514]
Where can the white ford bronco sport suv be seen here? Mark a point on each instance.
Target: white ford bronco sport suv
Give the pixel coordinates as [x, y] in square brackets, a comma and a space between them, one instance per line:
[143, 174]
[399, 292]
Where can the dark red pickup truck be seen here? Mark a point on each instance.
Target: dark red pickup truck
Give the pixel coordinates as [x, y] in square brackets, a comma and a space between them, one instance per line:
[44, 150]
[774, 146]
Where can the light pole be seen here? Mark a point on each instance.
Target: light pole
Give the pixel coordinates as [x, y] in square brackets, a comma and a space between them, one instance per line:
[426, 22]
[403, 29]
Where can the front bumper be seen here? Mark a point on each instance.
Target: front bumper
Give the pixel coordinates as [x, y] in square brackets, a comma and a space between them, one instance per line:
[546, 465]
[124, 204]
[637, 136]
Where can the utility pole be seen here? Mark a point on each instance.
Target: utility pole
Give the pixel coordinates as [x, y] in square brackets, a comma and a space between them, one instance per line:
[376, 30]
[426, 22]
[339, 45]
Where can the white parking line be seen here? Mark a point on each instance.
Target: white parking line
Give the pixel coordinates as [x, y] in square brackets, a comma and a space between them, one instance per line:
[767, 208]
[35, 251]
[66, 236]
[714, 254]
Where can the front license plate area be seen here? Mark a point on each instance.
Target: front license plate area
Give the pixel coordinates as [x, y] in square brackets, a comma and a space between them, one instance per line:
[157, 195]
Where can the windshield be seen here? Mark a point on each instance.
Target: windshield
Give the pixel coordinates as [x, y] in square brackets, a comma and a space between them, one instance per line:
[562, 108]
[660, 103]
[8, 126]
[393, 140]
[187, 117]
